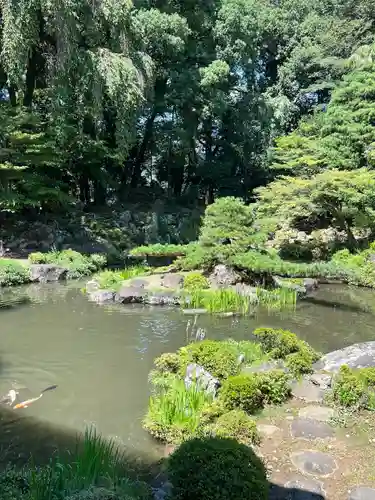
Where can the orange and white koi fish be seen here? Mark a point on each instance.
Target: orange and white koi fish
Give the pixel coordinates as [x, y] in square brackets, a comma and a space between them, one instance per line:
[28, 402]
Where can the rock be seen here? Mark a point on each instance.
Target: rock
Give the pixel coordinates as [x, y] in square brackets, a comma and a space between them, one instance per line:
[172, 280]
[139, 283]
[284, 283]
[162, 298]
[307, 428]
[129, 294]
[321, 413]
[268, 430]
[324, 381]
[314, 463]
[47, 272]
[102, 296]
[294, 492]
[246, 291]
[92, 286]
[360, 355]
[362, 493]
[223, 276]
[310, 284]
[193, 312]
[307, 391]
[207, 382]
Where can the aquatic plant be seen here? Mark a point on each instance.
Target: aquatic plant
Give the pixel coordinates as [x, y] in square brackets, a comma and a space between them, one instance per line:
[174, 414]
[13, 273]
[216, 468]
[216, 301]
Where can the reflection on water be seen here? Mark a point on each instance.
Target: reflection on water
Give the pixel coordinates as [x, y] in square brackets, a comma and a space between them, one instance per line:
[100, 357]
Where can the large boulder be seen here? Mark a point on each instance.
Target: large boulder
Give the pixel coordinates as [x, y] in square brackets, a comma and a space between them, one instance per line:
[172, 280]
[44, 273]
[131, 294]
[102, 296]
[360, 355]
[203, 378]
[224, 276]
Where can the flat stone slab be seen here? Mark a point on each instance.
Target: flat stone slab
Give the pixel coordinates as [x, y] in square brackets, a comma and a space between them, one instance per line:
[314, 463]
[362, 493]
[360, 355]
[268, 430]
[306, 390]
[321, 413]
[323, 380]
[299, 488]
[307, 428]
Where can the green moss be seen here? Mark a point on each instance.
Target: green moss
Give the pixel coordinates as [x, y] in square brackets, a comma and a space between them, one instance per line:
[195, 281]
[216, 468]
[236, 424]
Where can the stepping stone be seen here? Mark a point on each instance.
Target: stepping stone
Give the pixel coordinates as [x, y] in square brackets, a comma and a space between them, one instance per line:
[307, 428]
[299, 488]
[314, 463]
[306, 390]
[321, 413]
[362, 493]
[268, 430]
[323, 380]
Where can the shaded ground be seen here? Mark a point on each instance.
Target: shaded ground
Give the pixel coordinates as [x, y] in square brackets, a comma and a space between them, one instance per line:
[333, 455]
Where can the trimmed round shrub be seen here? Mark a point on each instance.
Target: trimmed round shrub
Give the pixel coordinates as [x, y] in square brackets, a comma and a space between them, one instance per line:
[196, 281]
[236, 424]
[216, 469]
[219, 358]
[299, 363]
[168, 362]
[242, 391]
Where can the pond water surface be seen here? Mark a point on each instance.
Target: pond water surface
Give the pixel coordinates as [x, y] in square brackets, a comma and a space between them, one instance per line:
[100, 356]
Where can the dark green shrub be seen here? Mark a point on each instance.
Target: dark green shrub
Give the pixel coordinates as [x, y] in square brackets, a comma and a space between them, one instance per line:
[13, 273]
[236, 424]
[13, 484]
[195, 281]
[219, 358]
[168, 362]
[216, 469]
[274, 386]
[242, 391]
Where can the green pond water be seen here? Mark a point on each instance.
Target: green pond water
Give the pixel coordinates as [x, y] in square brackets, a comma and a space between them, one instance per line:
[100, 357]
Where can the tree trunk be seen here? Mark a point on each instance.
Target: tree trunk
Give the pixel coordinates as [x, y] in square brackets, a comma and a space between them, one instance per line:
[30, 78]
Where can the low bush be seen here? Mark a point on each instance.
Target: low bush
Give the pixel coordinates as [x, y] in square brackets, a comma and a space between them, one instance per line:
[168, 362]
[219, 358]
[78, 265]
[236, 424]
[242, 392]
[354, 388]
[279, 344]
[359, 265]
[159, 250]
[13, 273]
[196, 281]
[113, 279]
[216, 469]
[274, 385]
[174, 414]
[300, 363]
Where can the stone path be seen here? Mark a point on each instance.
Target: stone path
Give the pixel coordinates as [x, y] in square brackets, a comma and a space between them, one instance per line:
[310, 458]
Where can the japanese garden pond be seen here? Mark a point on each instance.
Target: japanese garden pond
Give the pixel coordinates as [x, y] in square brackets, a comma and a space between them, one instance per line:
[100, 356]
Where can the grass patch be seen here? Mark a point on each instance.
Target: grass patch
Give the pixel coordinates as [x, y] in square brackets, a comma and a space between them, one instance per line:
[112, 280]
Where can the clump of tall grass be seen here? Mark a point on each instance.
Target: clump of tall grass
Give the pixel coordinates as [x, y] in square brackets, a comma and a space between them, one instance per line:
[174, 413]
[217, 301]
